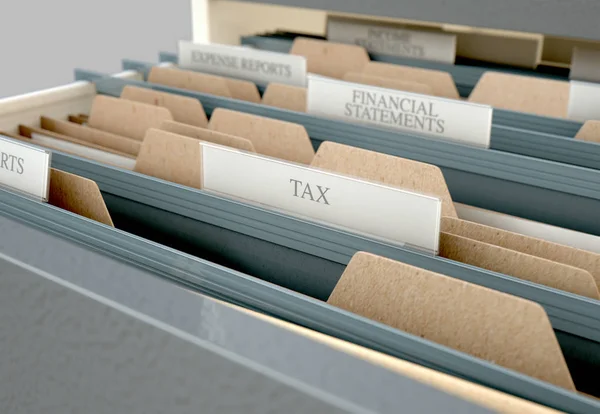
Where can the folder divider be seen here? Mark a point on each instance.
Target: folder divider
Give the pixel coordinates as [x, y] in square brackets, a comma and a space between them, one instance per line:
[177, 159]
[301, 275]
[469, 171]
[466, 74]
[58, 142]
[206, 83]
[201, 82]
[504, 138]
[90, 135]
[78, 195]
[285, 97]
[75, 194]
[171, 157]
[270, 137]
[514, 263]
[440, 308]
[459, 246]
[544, 97]
[440, 82]
[127, 118]
[581, 259]
[330, 59]
[204, 134]
[571, 313]
[248, 292]
[340, 128]
[31, 132]
[183, 109]
[514, 119]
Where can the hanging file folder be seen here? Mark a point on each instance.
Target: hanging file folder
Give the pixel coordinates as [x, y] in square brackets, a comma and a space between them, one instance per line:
[475, 176]
[138, 305]
[504, 117]
[552, 143]
[181, 228]
[279, 302]
[466, 74]
[100, 116]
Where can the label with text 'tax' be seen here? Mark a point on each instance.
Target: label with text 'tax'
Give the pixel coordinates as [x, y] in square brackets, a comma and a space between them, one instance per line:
[389, 214]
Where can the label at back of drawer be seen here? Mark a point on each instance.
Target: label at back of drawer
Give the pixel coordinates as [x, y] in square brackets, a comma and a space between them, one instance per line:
[394, 41]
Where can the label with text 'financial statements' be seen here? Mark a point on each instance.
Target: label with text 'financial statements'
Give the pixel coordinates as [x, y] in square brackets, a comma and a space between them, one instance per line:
[390, 214]
[24, 168]
[258, 66]
[441, 118]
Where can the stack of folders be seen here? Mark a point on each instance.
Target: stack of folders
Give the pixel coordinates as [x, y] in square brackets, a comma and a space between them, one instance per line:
[363, 201]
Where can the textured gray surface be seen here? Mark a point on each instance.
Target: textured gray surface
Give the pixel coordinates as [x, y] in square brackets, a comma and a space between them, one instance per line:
[67, 322]
[42, 41]
[571, 18]
[63, 352]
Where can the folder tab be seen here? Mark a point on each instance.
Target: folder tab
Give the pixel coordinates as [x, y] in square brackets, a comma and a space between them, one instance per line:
[390, 83]
[89, 135]
[590, 131]
[127, 118]
[385, 169]
[78, 195]
[182, 108]
[555, 252]
[329, 58]
[59, 142]
[393, 40]
[523, 266]
[271, 137]
[546, 97]
[243, 63]
[285, 96]
[25, 168]
[584, 101]
[208, 135]
[439, 81]
[199, 82]
[391, 214]
[170, 157]
[438, 117]
[510, 331]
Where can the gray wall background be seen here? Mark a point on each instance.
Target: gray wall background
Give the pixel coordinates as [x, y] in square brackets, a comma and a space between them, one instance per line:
[42, 41]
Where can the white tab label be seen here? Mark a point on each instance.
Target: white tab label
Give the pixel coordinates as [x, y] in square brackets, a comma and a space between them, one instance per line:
[258, 66]
[454, 120]
[390, 40]
[24, 168]
[386, 213]
[585, 65]
[584, 101]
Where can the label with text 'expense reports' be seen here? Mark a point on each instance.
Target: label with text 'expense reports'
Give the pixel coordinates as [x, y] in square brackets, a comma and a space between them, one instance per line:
[442, 118]
[243, 63]
[392, 40]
